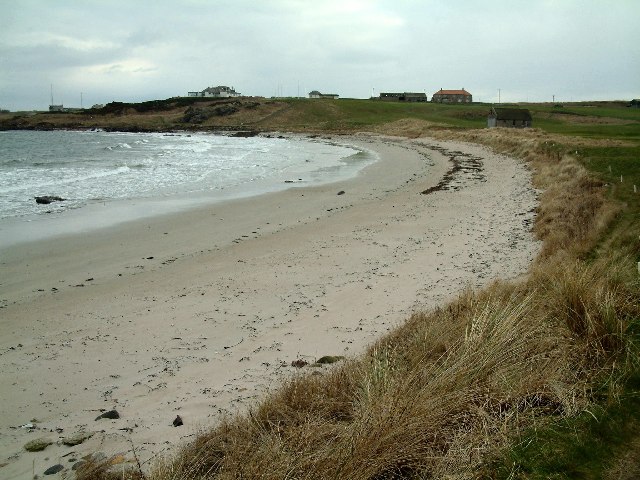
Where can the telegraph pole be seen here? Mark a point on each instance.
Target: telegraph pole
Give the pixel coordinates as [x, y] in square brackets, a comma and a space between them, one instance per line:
[499, 96]
[80, 99]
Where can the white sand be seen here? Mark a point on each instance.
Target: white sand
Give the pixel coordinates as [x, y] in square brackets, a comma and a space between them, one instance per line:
[234, 293]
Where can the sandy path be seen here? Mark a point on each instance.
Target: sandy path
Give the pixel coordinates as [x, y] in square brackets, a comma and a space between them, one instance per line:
[199, 313]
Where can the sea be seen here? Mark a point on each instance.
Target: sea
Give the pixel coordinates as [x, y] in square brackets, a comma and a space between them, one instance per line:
[137, 175]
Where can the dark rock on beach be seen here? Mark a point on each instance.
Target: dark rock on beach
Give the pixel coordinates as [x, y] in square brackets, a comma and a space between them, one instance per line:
[177, 422]
[111, 414]
[47, 199]
[244, 134]
[54, 469]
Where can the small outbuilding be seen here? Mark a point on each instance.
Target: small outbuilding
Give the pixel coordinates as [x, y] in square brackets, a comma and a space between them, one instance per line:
[509, 118]
[317, 94]
[403, 96]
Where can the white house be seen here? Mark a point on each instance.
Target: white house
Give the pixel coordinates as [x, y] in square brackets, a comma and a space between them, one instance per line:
[216, 92]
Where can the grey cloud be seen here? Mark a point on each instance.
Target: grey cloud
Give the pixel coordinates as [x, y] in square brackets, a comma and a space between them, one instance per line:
[54, 57]
[527, 48]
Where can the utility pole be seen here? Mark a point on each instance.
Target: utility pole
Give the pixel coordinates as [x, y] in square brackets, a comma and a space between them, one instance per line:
[499, 96]
[81, 100]
[554, 98]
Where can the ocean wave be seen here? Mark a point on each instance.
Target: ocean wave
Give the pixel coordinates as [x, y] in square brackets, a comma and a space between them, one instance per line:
[360, 156]
[15, 161]
[103, 166]
[132, 166]
[28, 163]
[119, 145]
[59, 182]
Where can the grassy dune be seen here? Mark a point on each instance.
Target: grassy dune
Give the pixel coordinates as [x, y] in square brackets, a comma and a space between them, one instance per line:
[534, 379]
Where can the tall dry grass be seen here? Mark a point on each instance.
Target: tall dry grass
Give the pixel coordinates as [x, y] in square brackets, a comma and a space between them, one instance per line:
[436, 396]
[439, 394]
[375, 418]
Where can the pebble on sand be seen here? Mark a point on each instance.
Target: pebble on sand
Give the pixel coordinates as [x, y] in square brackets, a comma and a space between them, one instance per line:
[111, 414]
[77, 438]
[37, 445]
[54, 469]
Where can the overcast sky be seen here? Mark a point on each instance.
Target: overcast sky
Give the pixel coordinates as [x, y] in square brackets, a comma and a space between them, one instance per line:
[136, 50]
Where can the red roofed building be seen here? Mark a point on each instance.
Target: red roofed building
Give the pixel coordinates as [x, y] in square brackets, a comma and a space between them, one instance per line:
[452, 96]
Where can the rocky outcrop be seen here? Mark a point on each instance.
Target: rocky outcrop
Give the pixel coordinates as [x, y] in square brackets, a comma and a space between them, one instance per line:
[202, 114]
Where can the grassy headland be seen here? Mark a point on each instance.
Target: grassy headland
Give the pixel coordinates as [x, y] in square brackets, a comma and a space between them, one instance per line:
[590, 120]
[530, 379]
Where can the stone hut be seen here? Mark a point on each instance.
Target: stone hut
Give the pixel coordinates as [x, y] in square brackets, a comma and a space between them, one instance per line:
[509, 118]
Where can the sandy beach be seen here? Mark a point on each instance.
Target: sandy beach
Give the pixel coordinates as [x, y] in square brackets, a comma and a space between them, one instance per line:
[198, 314]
